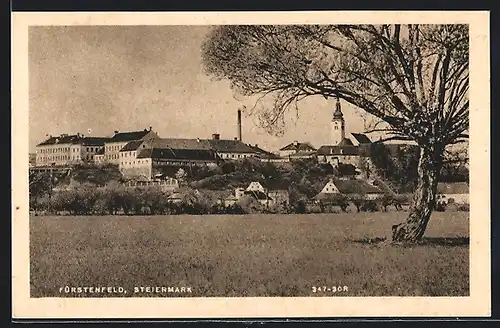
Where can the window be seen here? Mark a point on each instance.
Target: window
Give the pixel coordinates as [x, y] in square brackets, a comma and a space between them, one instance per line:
[336, 127]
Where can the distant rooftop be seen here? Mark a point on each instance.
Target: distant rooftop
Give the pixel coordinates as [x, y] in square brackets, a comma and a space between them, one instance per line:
[178, 154]
[361, 138]
[230, 146]
[129, 136]
[66, 139]
[132, 145]
[179, 143]
[298, 146]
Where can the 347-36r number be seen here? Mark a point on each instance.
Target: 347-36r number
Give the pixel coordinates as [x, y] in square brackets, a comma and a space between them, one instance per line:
[332, 289]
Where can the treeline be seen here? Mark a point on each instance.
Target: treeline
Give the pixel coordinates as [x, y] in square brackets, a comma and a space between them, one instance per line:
[115, 199]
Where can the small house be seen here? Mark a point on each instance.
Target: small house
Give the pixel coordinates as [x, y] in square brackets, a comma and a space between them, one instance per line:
[348, 187]
[276, 191]
[453, 192]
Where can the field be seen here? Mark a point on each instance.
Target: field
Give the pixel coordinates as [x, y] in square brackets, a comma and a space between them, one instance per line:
[248, 255]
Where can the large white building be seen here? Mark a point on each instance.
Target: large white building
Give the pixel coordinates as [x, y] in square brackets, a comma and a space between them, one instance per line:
[68, 150]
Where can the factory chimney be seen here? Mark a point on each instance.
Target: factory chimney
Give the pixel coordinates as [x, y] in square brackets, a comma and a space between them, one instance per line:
[239, 124]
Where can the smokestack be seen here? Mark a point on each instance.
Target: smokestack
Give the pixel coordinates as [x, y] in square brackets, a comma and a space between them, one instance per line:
[239, 124]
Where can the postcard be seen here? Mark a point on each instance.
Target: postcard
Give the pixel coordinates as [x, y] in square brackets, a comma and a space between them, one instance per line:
[250, 164]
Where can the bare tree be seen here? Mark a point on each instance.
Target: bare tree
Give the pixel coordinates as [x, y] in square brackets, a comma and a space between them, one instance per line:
[414, 78]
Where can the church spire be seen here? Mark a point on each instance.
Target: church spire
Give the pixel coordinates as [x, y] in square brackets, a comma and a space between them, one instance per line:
[338, 125]
[337, 114]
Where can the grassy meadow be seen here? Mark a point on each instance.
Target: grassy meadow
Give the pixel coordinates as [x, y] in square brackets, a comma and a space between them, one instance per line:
[248, 255]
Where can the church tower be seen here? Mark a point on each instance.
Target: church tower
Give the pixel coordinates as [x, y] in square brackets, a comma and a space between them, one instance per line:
[338, 124]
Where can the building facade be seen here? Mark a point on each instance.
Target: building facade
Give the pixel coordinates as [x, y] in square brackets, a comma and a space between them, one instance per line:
[231, 149]
[113, 146]
[68, 150]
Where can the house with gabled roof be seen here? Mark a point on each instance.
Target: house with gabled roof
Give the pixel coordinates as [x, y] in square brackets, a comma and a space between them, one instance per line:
[294, 147]
[68, 149]
[276, 190]
[349, 187]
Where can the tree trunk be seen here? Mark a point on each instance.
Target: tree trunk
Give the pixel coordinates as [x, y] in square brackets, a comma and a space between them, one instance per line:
[424, 198]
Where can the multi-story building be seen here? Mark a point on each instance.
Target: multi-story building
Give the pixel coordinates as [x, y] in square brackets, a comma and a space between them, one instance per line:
[56, 150]
[113, 146]
[91, 147]
[144, 159]
[149, 162]
[231, 149]
[179, 152]
[68, 149]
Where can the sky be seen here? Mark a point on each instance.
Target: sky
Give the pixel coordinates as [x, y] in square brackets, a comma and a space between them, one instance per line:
[98, 79]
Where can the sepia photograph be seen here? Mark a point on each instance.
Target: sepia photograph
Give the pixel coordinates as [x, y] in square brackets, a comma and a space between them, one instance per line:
[253, 160]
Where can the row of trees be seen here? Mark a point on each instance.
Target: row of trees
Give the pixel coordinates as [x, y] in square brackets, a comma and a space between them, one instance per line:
[115, 199]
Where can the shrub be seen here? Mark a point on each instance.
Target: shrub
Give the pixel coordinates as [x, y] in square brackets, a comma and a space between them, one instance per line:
[300, 207]
[386, 201]
[440, 206]
[400, 200]
[340, 201]
[346, 169]
[369, 206]
[280, 208]
[250, 205]
[357, 200]
[463, 208]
